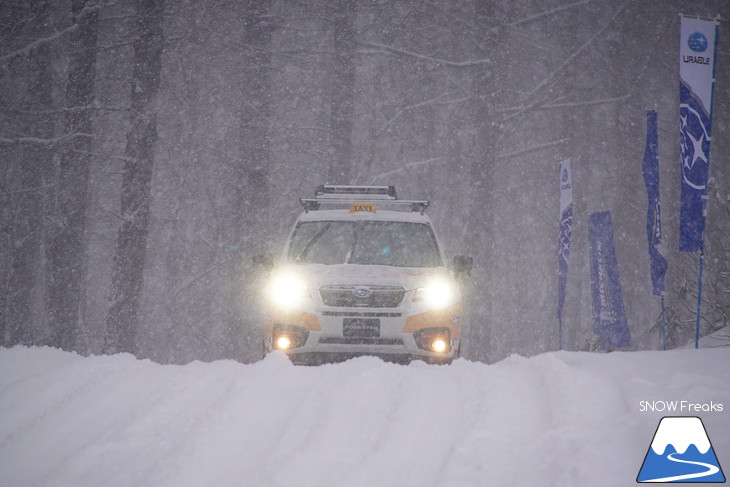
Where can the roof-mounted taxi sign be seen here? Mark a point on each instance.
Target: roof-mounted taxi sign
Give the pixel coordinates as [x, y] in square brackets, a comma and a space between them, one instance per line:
[362, 207]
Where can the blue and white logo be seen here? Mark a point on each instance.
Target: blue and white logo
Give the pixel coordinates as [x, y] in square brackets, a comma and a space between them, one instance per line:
[681, 452]
[694, 146]
[564, 175]
[697, 42]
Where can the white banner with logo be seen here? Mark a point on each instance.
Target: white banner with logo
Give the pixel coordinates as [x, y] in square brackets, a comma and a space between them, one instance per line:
[697, 58]
[697, 53]
[566, 229]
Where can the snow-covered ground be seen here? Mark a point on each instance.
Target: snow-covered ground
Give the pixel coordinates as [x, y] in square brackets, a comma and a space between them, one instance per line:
[558, 419]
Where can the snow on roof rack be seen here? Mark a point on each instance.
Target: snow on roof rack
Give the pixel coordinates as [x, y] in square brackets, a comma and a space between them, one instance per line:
[345, 195]
[361, 192]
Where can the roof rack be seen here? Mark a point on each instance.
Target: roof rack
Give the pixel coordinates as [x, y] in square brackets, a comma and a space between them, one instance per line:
[362, 192]
[384, 195]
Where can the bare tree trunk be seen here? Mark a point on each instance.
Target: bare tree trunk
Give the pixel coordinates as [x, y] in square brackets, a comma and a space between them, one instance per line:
[253, 188]
[129, 257]
[256, 108]
[23, 304]
[67, 248]
[483, 160]
[343, 91]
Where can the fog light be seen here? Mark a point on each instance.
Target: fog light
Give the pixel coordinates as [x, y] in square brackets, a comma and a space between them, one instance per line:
[283, 343]
[434, 339]
[287, 337]
[439, 345]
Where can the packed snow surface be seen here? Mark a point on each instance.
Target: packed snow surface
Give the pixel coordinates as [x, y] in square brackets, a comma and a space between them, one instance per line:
[557, 419]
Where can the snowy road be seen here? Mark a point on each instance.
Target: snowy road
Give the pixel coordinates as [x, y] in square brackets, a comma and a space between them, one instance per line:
[562, 419]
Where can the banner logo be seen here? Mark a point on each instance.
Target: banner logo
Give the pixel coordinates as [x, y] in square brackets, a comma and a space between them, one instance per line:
[697, 42]
[609, 316]
[694, 146]
[650, 170]
[566, 230]
[681, 452]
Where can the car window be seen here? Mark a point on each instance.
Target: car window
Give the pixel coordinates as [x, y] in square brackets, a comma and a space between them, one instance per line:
[400, 244]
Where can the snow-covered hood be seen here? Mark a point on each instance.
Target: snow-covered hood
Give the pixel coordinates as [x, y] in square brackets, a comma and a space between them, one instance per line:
[410, 278]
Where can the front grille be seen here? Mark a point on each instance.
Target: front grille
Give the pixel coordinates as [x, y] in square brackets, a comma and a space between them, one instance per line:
[360, 314]
[360, 341]
[362, 296]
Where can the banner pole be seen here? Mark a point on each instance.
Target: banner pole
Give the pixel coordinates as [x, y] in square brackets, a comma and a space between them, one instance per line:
[699, 297]
[664, 326]
[697, 94]
[560, 333]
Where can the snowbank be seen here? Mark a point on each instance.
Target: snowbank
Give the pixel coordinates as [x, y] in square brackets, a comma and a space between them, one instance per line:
[563, 419]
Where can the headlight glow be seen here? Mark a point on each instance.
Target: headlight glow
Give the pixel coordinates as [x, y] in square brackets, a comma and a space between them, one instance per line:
[439, 345]
[283, 343]
[287, 290]
[437, 294]
[288, 337]
[437, 339]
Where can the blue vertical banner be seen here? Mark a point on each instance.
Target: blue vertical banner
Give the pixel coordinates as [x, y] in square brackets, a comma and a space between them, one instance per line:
[697, 56]
[609, 316]
[650, 169]
[566, 229]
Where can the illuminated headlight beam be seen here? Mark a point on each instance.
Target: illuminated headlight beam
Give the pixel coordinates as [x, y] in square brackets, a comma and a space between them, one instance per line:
[287, 290]
[437, 294]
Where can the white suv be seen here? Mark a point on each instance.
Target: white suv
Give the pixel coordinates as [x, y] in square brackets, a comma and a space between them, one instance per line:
[363, 274]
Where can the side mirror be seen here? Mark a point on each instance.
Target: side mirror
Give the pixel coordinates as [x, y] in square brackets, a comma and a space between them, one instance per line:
[463, 264]
[265, 261]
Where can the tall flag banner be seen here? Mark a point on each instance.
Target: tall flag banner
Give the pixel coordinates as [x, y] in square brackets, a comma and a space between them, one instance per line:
[566, 229]
[697, 56]
[609, 317]
[650, 168]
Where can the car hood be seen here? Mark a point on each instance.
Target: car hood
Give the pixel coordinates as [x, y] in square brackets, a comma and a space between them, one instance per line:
[369, 275]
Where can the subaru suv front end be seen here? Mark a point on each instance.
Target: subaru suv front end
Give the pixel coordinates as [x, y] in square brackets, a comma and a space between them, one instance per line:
[363, 274]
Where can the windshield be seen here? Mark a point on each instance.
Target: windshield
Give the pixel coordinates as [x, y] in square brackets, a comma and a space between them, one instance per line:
[400, 244]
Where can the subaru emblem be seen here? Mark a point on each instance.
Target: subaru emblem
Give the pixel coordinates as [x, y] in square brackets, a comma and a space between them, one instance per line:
[362, 292]
[697, 42]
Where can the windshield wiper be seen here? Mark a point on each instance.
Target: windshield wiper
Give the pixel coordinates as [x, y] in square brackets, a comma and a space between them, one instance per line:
[311, 242]
[348, 257]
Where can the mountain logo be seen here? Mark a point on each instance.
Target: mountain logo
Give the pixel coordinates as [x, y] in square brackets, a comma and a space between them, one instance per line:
[681, 452]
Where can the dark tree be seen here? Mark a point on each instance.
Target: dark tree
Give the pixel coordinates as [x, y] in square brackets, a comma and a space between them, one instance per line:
[32, 161]
[67, 247]
[252, 190]
[129, 257]
[343, 90]
[255, 111]
[482, 161]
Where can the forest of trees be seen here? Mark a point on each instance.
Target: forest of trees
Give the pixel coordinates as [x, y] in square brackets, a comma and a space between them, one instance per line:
[149, 149]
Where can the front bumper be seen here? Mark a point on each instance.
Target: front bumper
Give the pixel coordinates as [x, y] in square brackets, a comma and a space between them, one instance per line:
[328, 327]
[432, 345]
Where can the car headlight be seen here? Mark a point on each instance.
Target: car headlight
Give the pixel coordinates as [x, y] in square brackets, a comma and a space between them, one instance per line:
[437, 294]
[287, 290]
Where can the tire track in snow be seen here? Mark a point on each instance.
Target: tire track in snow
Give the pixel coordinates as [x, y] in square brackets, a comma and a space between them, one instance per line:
[581, 399]
[507, 425]
[247, 428]
[341, 418]
[152, 412]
